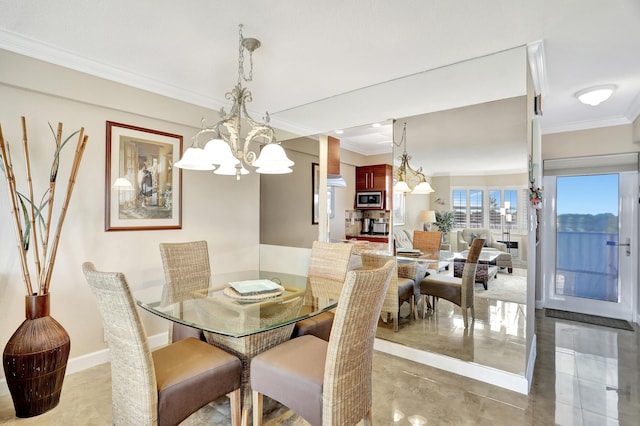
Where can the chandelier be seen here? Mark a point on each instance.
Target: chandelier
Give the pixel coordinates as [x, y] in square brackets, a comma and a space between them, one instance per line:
[225, 152]
[406, 176]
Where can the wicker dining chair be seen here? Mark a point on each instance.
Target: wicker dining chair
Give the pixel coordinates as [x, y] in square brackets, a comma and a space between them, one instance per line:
[400, 287]
[328, 267]
[428, 242]
[459, 291]
[166, 386]
[328, 383]
[186, 271]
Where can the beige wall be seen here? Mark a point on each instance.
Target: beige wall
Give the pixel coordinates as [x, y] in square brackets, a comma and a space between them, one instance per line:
[605, 140]
[286, 201]
[636, 130]
[216, 208]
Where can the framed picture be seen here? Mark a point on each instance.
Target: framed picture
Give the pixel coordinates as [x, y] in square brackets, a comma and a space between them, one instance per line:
[398, 208]
[315, 195]
[143, 189]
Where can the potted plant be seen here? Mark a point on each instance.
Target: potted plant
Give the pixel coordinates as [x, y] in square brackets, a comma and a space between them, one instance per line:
[444, 222]
[36, 355]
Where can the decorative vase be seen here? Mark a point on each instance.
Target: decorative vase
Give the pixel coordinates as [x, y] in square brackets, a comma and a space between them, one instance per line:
[35, 359]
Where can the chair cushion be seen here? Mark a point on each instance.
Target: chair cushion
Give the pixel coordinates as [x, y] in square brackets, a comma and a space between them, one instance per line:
[405, 290]
[318, 325]
[443, 286]
[190, 374]
[300, 364]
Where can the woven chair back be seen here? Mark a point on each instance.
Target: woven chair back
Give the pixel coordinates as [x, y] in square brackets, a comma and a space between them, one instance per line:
[133, 382]
[375, 261]
[469, 272]
[428, 242]
[186, 270]
[328, 268]
[347, 379]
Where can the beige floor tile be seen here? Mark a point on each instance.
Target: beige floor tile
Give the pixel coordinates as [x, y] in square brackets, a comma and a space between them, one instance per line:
[408, 393]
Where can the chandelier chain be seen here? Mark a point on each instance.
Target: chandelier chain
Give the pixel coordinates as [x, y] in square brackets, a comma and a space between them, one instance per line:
[241, 49]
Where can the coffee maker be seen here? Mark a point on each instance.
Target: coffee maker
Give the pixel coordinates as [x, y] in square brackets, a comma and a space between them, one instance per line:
[367, 224]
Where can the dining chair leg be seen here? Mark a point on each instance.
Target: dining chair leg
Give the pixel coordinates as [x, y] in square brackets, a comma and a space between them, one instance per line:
[396, 316]
[257, 408]
[236, 407]
[412, 307]
[368, 419]
[465, 319]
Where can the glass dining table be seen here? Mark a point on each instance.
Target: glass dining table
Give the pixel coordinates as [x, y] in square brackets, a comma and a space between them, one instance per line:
[244, 323]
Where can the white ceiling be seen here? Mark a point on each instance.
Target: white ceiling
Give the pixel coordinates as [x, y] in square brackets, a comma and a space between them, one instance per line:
[338, 64]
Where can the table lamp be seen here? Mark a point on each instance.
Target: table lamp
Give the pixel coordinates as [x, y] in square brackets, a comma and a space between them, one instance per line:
[427, 217]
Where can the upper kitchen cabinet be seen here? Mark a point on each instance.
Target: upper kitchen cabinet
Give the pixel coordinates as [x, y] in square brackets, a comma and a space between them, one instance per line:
[374, 178]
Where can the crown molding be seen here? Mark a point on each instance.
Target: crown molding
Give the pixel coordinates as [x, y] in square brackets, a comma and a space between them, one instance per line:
[634, 109]
[42, 51]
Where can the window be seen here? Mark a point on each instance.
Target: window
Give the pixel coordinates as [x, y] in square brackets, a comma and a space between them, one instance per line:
[495, 202]
[459, 201]
[494, 208]
[476, 209]
[468, 208]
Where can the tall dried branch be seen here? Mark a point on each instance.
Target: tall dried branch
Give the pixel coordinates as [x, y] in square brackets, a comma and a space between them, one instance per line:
[27, 162]
[82, 143]
[52, 192]
[7, 165]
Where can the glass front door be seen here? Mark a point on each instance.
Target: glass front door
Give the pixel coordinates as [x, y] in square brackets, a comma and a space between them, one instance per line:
[587, 237]
[593, 228]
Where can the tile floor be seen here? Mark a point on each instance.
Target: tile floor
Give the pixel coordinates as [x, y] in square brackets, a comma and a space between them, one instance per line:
[495, 339]
[584, 375]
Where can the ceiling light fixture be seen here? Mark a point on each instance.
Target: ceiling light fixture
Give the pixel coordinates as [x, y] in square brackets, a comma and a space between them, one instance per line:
[226, 153]
[405, 175]
[595, 95]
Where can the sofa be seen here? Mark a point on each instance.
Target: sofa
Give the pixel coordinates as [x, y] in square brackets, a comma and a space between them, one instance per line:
[466, 236]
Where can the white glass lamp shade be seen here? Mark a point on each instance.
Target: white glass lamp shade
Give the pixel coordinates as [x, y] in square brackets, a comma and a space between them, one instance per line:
[595, 95]
[401, 186]
[229, 169]
[273, 160]
[122, 184]
[219, 152]
[194, 159]
[422, 188]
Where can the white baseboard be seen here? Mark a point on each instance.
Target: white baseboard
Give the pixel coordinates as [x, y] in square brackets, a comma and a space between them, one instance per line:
[510, 381]
[93, 359]
[532, 361]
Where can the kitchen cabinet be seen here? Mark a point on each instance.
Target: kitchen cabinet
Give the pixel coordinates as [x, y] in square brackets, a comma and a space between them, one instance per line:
[373, 178]
[377, 177]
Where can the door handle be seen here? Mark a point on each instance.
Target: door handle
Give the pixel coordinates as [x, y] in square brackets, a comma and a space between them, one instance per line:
[627, 245]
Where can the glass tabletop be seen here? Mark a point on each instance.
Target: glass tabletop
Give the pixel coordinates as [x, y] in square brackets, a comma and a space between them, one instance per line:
[213, 306]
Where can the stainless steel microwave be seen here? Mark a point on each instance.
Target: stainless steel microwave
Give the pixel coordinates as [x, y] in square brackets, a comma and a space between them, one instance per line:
[370, 200]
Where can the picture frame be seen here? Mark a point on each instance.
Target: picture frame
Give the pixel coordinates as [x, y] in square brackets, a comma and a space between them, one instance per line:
[143, 191]
[398, 209]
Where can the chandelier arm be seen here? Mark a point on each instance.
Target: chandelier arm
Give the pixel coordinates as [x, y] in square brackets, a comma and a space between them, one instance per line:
[229, 128]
